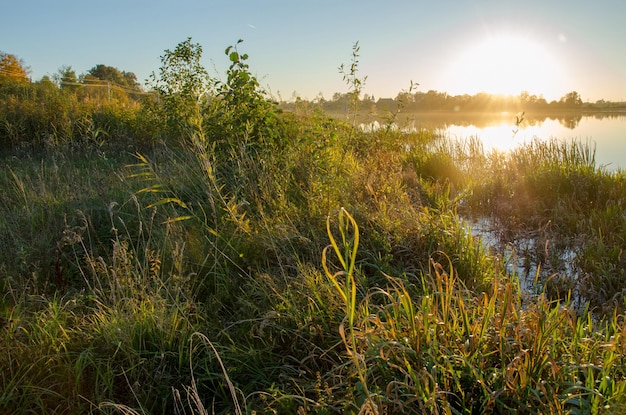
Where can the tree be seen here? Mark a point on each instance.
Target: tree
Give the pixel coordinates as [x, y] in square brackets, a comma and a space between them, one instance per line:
[182, 83]
[243, 103]
[114, 75]
[67, 78]
[181, 72]
[572, 99]
[12, 68]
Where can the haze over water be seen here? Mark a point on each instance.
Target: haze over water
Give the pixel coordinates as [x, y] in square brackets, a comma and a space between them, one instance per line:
[606, 133]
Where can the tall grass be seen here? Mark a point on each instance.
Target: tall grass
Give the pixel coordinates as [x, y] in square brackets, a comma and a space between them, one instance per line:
[290, 263]
[418, 318]
[552, 193]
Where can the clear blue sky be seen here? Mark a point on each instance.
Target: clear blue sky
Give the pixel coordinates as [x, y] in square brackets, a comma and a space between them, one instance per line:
[297, 45]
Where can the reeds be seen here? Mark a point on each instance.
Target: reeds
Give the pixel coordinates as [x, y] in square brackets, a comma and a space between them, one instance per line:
[433, 346]
[328, 270]
[552, 196]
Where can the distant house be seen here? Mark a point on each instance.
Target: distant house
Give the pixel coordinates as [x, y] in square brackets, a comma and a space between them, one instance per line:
[386, 105]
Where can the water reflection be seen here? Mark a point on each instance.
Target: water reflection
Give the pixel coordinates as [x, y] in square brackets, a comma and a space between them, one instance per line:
[539, 266]
[485, 120]
[606, 132]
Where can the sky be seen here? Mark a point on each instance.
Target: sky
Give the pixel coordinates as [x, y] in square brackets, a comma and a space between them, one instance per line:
[547, 47]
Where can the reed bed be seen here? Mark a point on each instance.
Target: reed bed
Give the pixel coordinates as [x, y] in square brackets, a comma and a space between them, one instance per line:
[256, 261]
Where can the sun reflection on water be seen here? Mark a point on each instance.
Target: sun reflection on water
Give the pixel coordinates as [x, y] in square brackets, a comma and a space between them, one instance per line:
[606, 135]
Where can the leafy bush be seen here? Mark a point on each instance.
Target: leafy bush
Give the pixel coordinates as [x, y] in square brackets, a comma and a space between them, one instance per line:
[197, 272]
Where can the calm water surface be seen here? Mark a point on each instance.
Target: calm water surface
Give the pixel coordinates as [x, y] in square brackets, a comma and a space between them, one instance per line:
[606, 134]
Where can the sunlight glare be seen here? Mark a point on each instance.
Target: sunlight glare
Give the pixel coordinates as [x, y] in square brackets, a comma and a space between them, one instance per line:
[507, 65]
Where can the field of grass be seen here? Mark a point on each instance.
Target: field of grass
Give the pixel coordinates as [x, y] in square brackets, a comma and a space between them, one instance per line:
[252, 260]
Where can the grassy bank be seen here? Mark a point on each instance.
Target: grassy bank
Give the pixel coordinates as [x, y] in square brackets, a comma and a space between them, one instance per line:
[255, 260]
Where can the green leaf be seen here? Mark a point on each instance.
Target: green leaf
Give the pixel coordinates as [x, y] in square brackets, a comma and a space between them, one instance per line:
[177, 219]
[234, 56]
[157, 188]
[168, 200]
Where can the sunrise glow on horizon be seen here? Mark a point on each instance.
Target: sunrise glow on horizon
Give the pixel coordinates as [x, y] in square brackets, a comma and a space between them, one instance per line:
[295, 48]
[507, 64]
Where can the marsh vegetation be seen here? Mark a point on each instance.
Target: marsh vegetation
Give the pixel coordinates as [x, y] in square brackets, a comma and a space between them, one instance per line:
[207, 252]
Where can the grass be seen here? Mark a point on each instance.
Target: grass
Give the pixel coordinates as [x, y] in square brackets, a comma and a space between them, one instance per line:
[410, 313]
[553, 194]
[300, 265]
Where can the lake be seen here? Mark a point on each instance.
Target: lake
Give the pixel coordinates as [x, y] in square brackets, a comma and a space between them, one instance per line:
[605, 132]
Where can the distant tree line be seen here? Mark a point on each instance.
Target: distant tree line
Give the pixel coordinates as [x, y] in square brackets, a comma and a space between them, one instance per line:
[66, 107]
[442, 101]
[99, 81]
[106, 106]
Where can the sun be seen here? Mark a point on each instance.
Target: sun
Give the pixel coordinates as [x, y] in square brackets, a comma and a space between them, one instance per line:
[506, 64]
